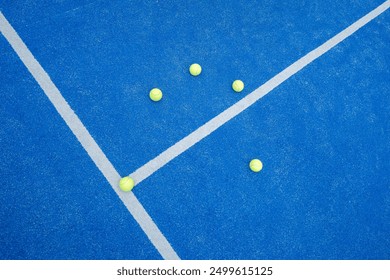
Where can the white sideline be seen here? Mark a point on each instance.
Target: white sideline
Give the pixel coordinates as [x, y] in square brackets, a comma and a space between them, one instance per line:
[99, 158]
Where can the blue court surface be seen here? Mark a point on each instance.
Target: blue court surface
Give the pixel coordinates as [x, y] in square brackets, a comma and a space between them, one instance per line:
[323, 134]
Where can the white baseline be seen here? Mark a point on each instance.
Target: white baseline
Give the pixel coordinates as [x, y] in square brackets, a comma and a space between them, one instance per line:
[187, 142]
[99, 158]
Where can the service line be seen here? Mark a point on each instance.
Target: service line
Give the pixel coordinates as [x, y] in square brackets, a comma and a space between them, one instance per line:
[187, 142]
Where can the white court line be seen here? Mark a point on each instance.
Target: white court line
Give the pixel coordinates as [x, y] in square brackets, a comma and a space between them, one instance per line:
[187, 142]
[99, 158]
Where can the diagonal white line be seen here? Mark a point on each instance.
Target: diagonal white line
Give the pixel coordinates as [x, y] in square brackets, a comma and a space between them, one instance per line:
[99, 158]
[187, 142]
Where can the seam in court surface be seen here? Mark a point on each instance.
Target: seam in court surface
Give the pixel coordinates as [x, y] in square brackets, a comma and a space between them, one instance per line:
[203, 131]
[84, 137]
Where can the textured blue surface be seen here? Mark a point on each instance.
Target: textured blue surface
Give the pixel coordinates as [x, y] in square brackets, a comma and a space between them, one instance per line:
[54, 202]
[323, 135]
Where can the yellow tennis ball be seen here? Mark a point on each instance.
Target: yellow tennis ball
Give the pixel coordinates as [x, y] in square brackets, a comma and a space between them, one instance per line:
[126, 184]
[256, 165]
[238, 85]
[195, 69]
[155, 94]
